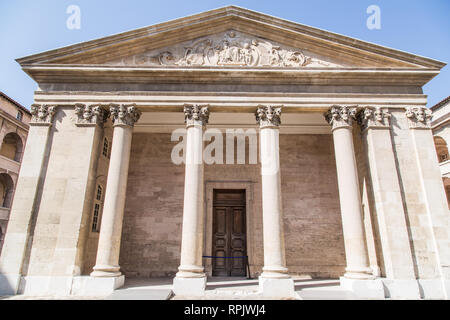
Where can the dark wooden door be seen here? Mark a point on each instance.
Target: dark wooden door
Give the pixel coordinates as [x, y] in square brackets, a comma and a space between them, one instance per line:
[229, 233]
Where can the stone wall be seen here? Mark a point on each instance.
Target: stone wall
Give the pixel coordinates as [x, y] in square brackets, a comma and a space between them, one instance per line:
[151, 237]
[313, 228]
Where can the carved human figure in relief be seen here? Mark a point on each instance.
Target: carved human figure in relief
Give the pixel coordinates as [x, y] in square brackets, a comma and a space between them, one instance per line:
[228, 49]
[274, 57]
[246, 55]
[230, 54]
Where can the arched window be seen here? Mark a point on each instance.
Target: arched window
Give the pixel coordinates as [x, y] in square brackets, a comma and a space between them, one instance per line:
[6, 190]
[12, 147]
[441, 149]
[19, 115]
[105, 151]
[98, 207]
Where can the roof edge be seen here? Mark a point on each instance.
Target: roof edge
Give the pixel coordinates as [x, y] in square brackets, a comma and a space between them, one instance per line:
[234, 11]
[4, 95]
[440, 103]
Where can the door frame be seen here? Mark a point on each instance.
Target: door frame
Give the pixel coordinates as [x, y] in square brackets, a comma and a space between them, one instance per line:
[208, 238]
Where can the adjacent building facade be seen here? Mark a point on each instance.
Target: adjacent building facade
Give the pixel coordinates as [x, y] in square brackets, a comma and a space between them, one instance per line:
[229, 133]
[13, 136]
[441, 130]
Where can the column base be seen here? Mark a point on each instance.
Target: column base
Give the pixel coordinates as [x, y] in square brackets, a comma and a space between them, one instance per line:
[359, 274]
[105, 271]
[275, 272]
[9, 284]
[189, 286]
[277, 287]
[364, 288]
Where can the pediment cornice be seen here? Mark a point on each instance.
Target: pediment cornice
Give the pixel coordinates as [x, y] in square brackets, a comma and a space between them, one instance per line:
[345, 50]
[52, 73]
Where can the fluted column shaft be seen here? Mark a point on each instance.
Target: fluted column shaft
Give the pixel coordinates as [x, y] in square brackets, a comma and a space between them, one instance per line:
[341, 119]
[107, 263]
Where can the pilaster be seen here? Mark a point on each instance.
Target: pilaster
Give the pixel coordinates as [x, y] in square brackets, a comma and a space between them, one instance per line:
[433, 189]
[27, 196]
[391, 216]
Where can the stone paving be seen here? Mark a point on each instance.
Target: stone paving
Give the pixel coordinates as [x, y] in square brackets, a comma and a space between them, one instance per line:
[217, 289]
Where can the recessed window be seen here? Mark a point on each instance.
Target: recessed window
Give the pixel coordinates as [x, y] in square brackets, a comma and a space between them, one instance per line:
[98, 204]
[99, 193]
[105, 147]
[95, 224]
[19, 115]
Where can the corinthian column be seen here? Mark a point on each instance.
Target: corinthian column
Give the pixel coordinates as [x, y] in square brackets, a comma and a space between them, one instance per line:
[190, 279]
[274, 280]
[341, 120]
[107, 265]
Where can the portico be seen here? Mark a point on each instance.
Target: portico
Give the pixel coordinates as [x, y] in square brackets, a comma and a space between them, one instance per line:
[309, 152]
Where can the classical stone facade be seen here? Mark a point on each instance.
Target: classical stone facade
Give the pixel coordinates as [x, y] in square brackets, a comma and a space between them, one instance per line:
[13, 136]
[229, 134]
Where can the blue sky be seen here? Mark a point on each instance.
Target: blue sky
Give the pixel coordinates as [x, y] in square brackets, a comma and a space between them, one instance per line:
[32, 26]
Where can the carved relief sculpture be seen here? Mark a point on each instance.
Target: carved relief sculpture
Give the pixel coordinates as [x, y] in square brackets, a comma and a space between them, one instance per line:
[231, 48]
[42, 114]
[196, 115]
[419, 117]
[90, 115]
[124, 114]
[370, 117]
[340, 116]
[268, 116]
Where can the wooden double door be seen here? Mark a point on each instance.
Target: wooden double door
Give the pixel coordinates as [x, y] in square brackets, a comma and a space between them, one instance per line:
[229, 233]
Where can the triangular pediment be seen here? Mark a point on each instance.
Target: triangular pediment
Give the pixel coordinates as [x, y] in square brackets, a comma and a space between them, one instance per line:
[228, 49]
[294, 40]
[226, 45]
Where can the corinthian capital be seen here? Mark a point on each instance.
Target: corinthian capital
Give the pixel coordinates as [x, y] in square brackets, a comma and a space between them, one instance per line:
[196, 115]
[268, 116]
[419, 117]
[370, 117]
[90, 115]
[340, 116]
[124, 115]
[42, 114]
